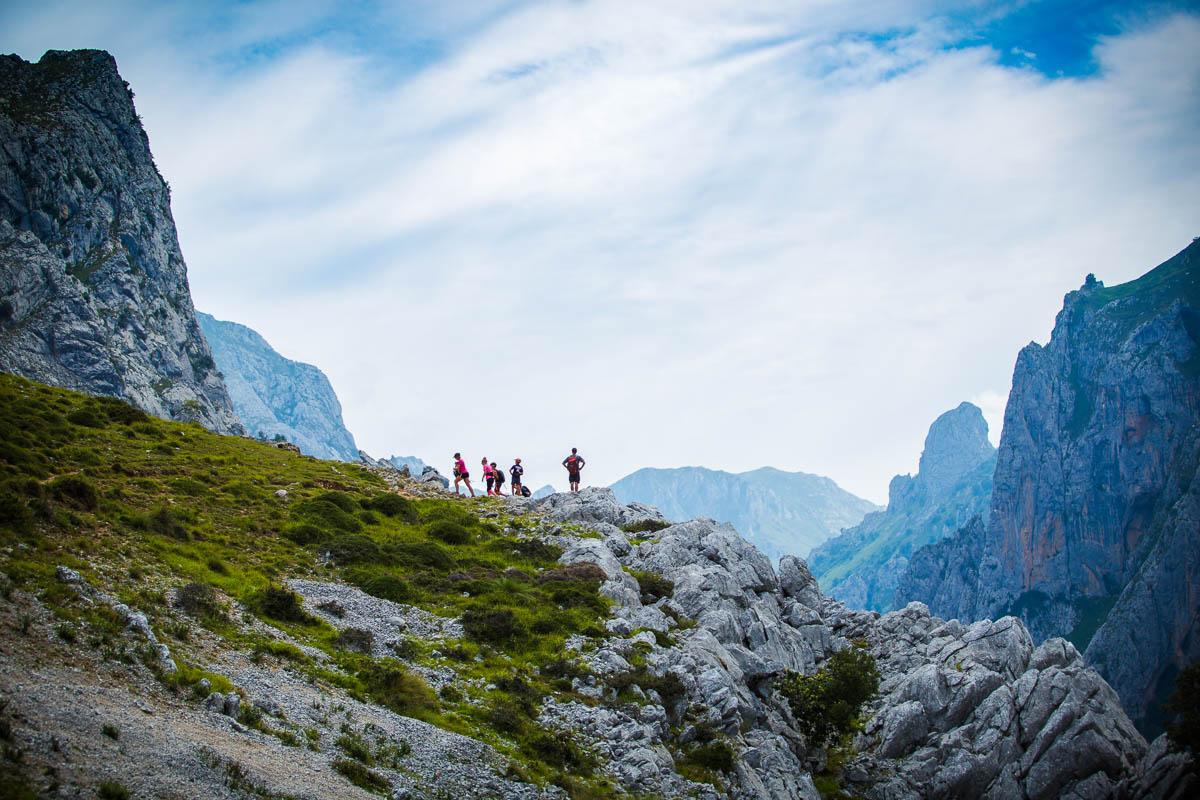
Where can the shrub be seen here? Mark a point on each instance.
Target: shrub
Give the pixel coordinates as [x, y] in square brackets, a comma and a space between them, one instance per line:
[449, 513]
[356, 639]
[827, 703]
[281, 603]
[393, 505]
[325, 514]
[530, 549]
[119, 411]
[653, 586]
[717, 756]
[306, 533]
[198, 599]
[1184, 703]
[112, 790]
[492, 626]
[578, 594]
[361, 776]
[449, 532]
[584, 571]
[353, 549]
[560, 750]
[76, 491]
[422, 554]
[340, 499]
[388, 587]
[14, 512]
[668, 685]
[646, 526]
[86, 417]
[391, 685]
[354, 746]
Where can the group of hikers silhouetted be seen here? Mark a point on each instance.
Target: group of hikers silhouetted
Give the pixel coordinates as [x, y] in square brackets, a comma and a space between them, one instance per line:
[494, 475]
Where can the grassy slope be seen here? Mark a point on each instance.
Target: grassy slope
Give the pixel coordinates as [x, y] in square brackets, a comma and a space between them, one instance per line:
[142, 506]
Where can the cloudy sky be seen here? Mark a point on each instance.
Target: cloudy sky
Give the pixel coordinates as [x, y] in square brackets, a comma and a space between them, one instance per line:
[668, 233]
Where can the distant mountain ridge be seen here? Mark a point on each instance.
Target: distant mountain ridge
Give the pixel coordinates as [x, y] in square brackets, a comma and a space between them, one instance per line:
[952, 486]
[783, 513]
[275, 396]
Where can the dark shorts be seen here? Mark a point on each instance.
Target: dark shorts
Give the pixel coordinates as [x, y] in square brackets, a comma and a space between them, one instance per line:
[516, 481]
[573, 476]
[462, 476]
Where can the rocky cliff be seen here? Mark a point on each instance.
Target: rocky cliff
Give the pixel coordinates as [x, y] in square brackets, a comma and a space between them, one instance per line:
[94, 288]
[275, 396]
[1096, 507]
[953, 485]
[781, 512]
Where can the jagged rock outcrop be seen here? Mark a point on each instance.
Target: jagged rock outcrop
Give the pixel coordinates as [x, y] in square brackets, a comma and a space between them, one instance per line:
[1096, 505]
[963, 711]
[93, 285]
[952, 486]
[275, 396]
[783, 513]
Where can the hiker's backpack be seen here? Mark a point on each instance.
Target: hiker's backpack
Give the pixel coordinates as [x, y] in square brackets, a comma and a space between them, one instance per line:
[525, 491]
[499, 473]
[573, 463]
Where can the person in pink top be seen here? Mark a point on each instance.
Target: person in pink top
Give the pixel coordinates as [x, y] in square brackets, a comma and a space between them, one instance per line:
[489, 476]
[461, 474]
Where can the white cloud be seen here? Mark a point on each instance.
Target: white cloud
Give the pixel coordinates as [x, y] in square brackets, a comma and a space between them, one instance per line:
[710, 233]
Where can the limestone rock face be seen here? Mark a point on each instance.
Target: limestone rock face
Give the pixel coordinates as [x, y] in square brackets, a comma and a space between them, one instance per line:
[952, 486]
[963, 710]
[94, 288]
[275, 396]
[1095, 507]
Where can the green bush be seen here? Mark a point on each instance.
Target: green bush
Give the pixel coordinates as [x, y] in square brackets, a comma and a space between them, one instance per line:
[306, 533]
[325, 514]
[340, 499]
[393, 505]
[653, 586]
[281, 603]
[391, 685]
[421, 554]
[1184, 704]
[717, 756]
[388, 587]
[14, 512]
[198, 599]
[76, 491]
[559, 750]
[449, 532]
[119, 411]
[362, 776]
[668, 685]
[112, 790]
[353, 549]
[165, 521]
[449, 513]
[87, 417]
[357, 640]
[827, 703]
[646, 526]
[492, 626]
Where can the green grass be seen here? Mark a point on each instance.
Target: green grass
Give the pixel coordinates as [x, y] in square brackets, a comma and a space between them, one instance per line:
[143, 507]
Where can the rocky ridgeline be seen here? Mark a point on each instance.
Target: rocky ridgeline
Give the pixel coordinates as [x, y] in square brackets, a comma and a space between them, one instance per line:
[964, 711]
[1096, 498]
[93, 291]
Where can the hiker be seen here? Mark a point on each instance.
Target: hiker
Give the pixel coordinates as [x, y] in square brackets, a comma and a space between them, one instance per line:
[516, 470]
[461, 474]
[574, 463]
[498, 474]
[489, 477]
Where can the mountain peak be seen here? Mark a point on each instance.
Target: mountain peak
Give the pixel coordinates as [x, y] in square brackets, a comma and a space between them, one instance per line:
[957, 442]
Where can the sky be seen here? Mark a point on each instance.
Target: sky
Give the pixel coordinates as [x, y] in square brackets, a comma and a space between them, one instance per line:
[728, 234]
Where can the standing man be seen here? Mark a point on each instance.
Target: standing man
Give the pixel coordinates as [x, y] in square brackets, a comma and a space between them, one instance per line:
[516, 470]
[574, 463]
[461, 474]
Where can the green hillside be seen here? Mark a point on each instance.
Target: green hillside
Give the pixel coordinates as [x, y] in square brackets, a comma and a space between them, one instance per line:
[143, 507]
